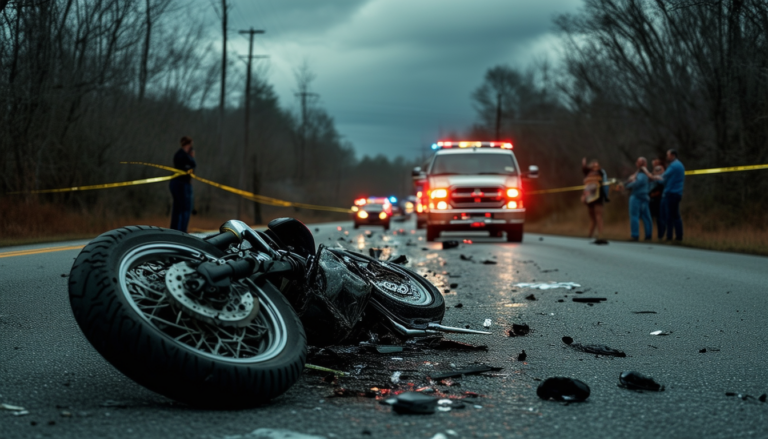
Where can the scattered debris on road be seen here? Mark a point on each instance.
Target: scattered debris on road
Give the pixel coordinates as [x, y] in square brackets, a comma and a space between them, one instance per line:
[450, 244]
[589, 299]
[597, 349]
[13, 408]
[563, 389]
[522, 356]
[530, 297]
[636, 381]
[518, 330]
[660, 333]
[414, 403]
[487, 323]
[644, 312]
[548, 285]
[468, 371]
[273, 433]
[489, 262]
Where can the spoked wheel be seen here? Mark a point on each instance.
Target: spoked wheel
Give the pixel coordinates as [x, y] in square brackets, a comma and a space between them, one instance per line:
[133, 294]
[401, 294]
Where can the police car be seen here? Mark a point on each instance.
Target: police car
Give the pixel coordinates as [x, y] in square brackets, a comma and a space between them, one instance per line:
[372, 211]
[471, 185]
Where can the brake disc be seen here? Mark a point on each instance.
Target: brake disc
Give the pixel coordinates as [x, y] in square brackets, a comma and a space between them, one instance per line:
[239, 309]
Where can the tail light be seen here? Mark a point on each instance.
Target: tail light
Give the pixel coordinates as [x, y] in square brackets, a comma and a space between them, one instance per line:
[438, 193]
[513, 192]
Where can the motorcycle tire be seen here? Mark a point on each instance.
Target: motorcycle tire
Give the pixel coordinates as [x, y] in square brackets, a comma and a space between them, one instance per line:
[429, 306]
[116, 278]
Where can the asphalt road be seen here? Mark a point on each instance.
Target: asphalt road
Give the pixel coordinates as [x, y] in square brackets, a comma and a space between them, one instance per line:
[705, 300]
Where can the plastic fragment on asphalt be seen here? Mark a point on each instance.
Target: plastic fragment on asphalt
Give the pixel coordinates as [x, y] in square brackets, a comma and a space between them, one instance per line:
[636, 381]
[385, 349]
[450, 244]
[548, 285]
[703, 351]
[446, 405]
[563, 389]
[487, 323]
[660, 333]
[274, 433]
[414, 403]
[530, 297]
[522, 356]
[465, 258]
[644, 312]
[400, 260]
[13, 408]
[489, 262]
[454, 285]
[21, 413]
[468, 371]
[518, 330]
[325, 369]
[763, 397]
[597, 349]
[589, 299]
[395, 378]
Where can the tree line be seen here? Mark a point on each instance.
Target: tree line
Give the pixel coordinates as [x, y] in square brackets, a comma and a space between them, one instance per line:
[86, 84]
[638, 77]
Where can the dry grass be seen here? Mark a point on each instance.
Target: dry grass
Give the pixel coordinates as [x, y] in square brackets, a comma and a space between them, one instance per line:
[699, 232]
[28, 223]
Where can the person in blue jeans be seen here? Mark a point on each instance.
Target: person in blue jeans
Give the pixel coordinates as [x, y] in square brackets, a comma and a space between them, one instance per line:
[181, 187]
[638, 202]
[674, 181]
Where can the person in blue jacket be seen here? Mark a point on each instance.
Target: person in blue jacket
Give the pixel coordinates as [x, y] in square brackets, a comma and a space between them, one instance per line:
[674, 181]
[638, 202]
[181, 187]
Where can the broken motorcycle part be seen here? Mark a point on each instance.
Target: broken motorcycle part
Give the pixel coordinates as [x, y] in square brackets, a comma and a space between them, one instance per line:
[563, 389]
[636, 381]
[597, 349]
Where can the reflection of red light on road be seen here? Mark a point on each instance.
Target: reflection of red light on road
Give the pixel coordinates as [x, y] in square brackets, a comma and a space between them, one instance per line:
[477, 224]
[338, 228]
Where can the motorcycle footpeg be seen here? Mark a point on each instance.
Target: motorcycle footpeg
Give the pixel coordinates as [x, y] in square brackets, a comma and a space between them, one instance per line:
[432, 329]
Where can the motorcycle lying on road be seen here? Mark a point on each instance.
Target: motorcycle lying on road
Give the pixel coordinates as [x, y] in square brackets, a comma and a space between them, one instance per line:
[224, 321]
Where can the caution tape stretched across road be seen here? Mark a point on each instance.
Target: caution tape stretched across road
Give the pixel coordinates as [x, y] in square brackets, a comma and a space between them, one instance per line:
[261, 199]
[691, 172]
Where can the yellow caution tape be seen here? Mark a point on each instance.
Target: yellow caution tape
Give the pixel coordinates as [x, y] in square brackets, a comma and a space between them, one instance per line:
[691, 172]
[261, 199]
[727, 169]
[99, 186]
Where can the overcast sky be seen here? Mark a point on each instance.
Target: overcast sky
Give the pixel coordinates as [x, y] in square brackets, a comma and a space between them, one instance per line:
[395, 74]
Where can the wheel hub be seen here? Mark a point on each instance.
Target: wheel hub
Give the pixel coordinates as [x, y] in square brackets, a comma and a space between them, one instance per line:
[236, 307]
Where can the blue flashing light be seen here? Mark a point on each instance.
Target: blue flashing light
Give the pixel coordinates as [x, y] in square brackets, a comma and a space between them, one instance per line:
[393, 199]
[435, 146]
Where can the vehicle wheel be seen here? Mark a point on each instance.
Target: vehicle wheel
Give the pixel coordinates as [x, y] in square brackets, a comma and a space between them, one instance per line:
[402, 294]
[515, 233]
[432, 233]
[121, 301]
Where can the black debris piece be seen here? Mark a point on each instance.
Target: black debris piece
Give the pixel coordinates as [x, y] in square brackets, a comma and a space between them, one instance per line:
[465, 258]
[644, 312]
[563, 389]
[424, 249]
[597, 349]
[763, 397]
[450, 244]
[540, 238]
[459, 305]
[560, 300]
[444, 344]
[64, 275]
[703, 351]
[589, 299]
[636, 381]
[375, 252]
[518, 330]
[550, 271]
[454, 285]
[387, 349]
[522, 356]
[530, 297]
[489, 262]
[317, 229]
[341, 238]
[446, 290]
[400, 260]
[468, 371]
[414, 403]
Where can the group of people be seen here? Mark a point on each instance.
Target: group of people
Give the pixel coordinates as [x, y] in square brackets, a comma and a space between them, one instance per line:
[654, 194]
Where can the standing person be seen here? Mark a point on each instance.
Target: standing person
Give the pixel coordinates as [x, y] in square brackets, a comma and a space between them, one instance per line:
[638, 202]
[656, 188]
[674, 180]
[594, 196]
[181, 187]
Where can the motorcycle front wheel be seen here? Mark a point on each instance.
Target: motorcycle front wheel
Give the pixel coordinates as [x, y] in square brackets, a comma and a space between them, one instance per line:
[120, 299]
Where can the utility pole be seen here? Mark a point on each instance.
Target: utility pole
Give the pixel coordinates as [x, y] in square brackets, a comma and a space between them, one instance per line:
[498, 117]
[222, 96]
[240, 207]
[303, 94]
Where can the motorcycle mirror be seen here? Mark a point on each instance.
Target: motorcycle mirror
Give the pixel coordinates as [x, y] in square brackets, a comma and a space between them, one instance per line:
[533, 171]
[416, 171]
[294, 233]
